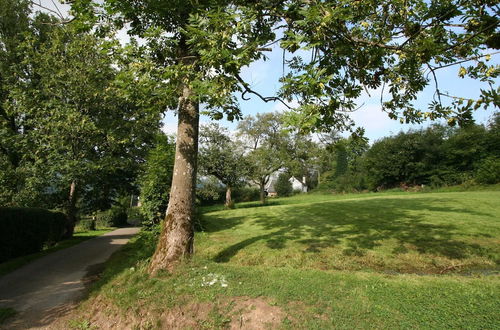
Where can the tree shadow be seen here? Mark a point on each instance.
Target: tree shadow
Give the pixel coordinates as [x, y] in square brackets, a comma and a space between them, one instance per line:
[361, 225]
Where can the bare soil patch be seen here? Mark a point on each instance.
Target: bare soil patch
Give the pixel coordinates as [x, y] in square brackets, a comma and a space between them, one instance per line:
[232, 313]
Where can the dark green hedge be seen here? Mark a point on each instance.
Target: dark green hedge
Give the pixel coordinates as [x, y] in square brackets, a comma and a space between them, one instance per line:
[27, 230]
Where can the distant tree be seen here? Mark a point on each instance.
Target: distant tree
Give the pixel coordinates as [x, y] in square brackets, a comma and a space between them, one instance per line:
[223, 158]
[155, 183]
[303, 159]
[268, 147]
[283, 186]
[407, 158]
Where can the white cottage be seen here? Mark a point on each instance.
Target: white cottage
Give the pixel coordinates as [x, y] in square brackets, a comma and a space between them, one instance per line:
[297, 185]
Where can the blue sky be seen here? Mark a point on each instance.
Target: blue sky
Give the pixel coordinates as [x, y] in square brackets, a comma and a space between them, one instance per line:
[263, 77]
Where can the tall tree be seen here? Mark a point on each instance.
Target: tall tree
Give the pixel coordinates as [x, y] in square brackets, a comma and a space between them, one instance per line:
[201, 46]
[86, 120]
[222, 158]
[20, 183]
[269, 147]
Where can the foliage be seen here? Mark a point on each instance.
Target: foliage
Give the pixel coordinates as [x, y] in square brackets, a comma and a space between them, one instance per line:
[342, 163]
[156, 180]
[222, 158]
[209, 191]
[434, 156]
[246, 194]
[74, 109]
[283, 186]
[86, 224]
[21, 182]
[303, 159]
[116, 216]
[135, 216]
[268, 144]
[488, 170]
[352, 46]
[28, 230]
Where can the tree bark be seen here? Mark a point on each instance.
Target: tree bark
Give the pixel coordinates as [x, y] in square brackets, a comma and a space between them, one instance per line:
[262, 193]
[176, 238]
[229, 201]
[71, 213]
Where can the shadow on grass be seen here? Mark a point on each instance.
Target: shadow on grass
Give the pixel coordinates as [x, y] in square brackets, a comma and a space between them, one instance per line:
[359, 225]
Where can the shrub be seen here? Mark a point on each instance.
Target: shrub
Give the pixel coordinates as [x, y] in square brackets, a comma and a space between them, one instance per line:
[135, 217]
[488, 171]
[28, 230]
[283, 185]
[326, 181]
[86, 224]
[210, 191]
[246, 194]
[114, 217]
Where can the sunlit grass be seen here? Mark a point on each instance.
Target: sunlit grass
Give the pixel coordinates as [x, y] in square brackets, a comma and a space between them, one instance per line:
[409, 233]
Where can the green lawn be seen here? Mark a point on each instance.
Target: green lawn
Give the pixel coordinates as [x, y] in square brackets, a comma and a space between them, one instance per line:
[78, 237]
[409, 233]
[382, 261]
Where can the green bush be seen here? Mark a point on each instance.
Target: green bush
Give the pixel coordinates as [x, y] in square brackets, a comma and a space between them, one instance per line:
[327, 181]
[135, 217]
[210, 191]
[28, 230]
[488, 171]
[246, 194]
[114, 217]
[86, 224]
[283, 185]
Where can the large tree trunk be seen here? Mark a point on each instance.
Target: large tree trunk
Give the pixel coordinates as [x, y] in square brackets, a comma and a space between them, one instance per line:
[71, 213]
[176, 238]
[229, 200]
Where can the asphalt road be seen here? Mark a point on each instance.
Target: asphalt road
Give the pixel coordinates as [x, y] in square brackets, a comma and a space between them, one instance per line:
[50, 286]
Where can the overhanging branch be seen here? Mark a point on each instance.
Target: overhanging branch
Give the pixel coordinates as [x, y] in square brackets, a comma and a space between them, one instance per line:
[266, 99]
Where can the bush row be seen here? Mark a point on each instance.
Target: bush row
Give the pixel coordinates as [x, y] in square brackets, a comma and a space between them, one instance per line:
[28, 230]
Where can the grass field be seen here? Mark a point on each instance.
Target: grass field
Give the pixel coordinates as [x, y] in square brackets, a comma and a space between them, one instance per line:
[392, 260]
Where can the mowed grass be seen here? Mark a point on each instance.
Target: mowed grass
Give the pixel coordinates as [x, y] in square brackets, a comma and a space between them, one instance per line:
[373, 261]
[403, 233]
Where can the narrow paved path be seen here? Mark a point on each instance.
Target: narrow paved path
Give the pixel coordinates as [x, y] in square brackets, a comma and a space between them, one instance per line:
[50, 286]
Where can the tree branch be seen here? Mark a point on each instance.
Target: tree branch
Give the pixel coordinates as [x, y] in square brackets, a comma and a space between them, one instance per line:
[465, 60]
[266, 99]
